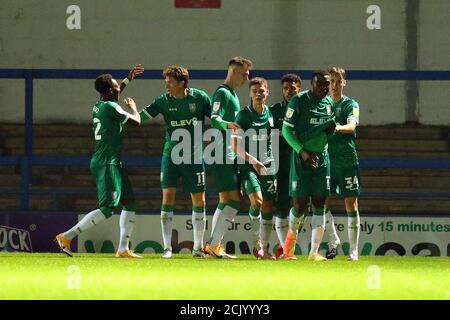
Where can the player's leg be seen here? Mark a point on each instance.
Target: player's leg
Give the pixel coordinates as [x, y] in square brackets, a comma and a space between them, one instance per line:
[107, 182]
[266, 227]
[227, 183]
[251, 186]
[194, 182]
[297, 216]
[127, 218]
[216, 170]
[167, 206]
[330, 229]
[169, 180]
[320, 191]
[318, 227]
[283, 204]
[254, 214]
[269, 191]
[222, 201]
[299, 190]
[300, 178]
[198, 222]
[351, 206]
[350, 189]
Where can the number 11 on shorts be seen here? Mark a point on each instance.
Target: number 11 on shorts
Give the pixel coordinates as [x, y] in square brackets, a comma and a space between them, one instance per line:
[200, 178]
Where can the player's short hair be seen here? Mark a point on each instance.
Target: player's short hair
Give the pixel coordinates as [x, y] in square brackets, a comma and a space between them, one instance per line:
[321, 73]
[338, 71]
[241, 62]
[258, 80]
[103, 83]
[291, 77]
[178, 73]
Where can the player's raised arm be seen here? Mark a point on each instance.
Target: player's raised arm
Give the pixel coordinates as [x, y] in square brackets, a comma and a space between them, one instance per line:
[136, 70]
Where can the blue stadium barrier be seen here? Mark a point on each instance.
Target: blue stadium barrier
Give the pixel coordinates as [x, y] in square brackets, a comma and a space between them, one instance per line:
[28, 160]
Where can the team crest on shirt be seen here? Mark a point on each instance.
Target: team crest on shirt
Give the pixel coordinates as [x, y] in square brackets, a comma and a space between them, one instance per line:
[192, 107]
[356, 112]
[271, 121]
[216, 106]
[328, 109]
[289, 113]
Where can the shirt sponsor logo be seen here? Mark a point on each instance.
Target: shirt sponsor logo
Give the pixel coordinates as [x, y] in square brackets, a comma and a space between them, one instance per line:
[184, 122]
[173, 109]
[192, 107]
[216, 106]
[318, 113]
[318, 121]
[257, 124]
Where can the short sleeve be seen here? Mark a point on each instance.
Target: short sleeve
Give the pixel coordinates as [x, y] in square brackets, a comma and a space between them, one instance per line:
[353, 112]
[219, 101]
[152, 110]
[118, 113]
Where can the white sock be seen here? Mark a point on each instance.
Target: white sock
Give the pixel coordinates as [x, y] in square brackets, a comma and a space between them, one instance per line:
[281, 227]
[318, 227]
[166, 226]
[126, 228]
[353, 232]
[214, 219]
[330, 229]
[255, 223]
[294, 222]
[198, 221]
[266, 230]
[223, 221]
[90, 220]
[302, 222]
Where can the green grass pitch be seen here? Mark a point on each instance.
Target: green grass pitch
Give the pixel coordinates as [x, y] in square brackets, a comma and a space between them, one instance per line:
[102, 276]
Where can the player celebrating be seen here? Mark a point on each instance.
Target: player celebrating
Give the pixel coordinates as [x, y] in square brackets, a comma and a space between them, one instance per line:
[345, 176]
[291, 85]
[258, 174]
[225, 108]
[183, 108]
[308, 116]
[113, 185]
